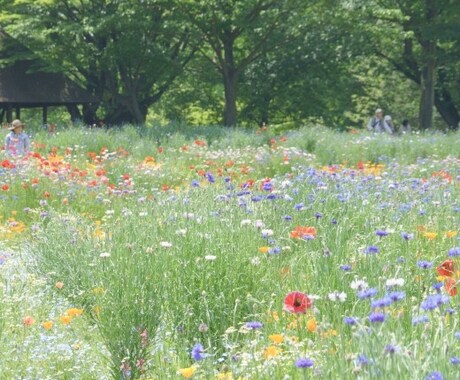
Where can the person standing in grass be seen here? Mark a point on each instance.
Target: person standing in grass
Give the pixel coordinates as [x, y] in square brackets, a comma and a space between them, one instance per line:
[376, 123]
[17, 142]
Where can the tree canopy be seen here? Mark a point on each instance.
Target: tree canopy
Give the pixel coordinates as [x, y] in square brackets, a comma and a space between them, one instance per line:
[254, 61]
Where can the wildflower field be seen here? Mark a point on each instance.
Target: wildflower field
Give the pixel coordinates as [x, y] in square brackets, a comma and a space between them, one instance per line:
[212, 253]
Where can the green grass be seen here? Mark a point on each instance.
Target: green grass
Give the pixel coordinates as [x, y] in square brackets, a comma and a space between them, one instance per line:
[165, 252]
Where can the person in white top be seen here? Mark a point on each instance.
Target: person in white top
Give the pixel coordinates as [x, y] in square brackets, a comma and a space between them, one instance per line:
[376, 123]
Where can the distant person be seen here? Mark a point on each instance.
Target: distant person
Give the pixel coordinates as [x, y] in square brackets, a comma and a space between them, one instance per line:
[388, 125]
[376, 123]
[17, 142]
[405, 127]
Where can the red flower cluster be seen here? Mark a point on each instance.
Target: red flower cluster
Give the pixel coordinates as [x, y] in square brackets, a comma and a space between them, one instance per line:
[447, 269]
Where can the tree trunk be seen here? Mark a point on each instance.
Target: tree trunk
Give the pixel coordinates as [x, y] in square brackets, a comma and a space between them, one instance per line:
[445, 104]
[427, 85]
[74, 112]
[230, 113]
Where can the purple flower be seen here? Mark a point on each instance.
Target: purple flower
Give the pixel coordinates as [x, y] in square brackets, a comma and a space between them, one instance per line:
[195, 183]
[287, 217]
[424, 264]
[367, 293]
[318, 215]
[377, 317]
[274, 251]
[437, 286]
[406, 236]
[349, 321]
[197, 352]
[433, 301]
[304, 363]
[435, 375]
[362, 360]
[420, 319]
[381, 302]
[371, 249]
[345, 267]
[396, 296]
[210, 177]
[455, 360]
[299, 206]
[391, 349]
[254, 325]
[454, 252]
[381, 233]
[457, 334]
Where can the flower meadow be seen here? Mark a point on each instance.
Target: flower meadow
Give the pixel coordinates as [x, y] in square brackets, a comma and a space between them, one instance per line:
[210, 253]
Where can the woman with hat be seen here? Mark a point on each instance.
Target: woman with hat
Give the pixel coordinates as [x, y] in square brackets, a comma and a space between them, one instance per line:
[17, 142]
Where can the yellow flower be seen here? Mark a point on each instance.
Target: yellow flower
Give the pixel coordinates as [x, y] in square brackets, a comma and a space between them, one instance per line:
[98, 291]
[187, 372]
[276, 338]
[264, 249]
[72, 312]
[96, 310]
[271, 352]
[65, 319]
[329, 333]
[48, 325]
[311, 325]
[430, 235]
[451, 234]
[224, 376]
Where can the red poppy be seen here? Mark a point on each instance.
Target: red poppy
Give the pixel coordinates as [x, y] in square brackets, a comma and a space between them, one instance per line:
[296, 302]
[447, 268]
[301, 232]
[451, 286]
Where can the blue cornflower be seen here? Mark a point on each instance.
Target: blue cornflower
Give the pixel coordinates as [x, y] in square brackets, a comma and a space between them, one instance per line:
[433, 301]
[345, 267]
[267, 186]
[197, 352]
[257, 198]
[435, 375]
[381, 302]
[406, 236]
[457, 335]
[210, 177]
[254, 325]
[299, 206]
[450, 311]
[318, 215]
[437, 286]
[391, 349]
[274, 251]
[396, 296]
[195, 183]
[367, 293]
[372, 249]
[350, 321]
[381, 233]
[304, 363]
[287, 217]
[420, 319]
[455, 360]
[362, 360]
[453, 252]
[424, 264]
[377, 317]
[334, 221]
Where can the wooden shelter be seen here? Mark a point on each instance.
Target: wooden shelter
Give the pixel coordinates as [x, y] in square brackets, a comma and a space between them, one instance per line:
[23, 86]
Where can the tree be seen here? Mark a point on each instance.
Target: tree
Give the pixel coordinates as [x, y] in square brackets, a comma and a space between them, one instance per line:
[233, 34]
[426, 51]
[125, 53]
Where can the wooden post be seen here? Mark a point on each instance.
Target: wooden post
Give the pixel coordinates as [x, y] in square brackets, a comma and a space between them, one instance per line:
[9, 113]
[45, 115]
[18, 113]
